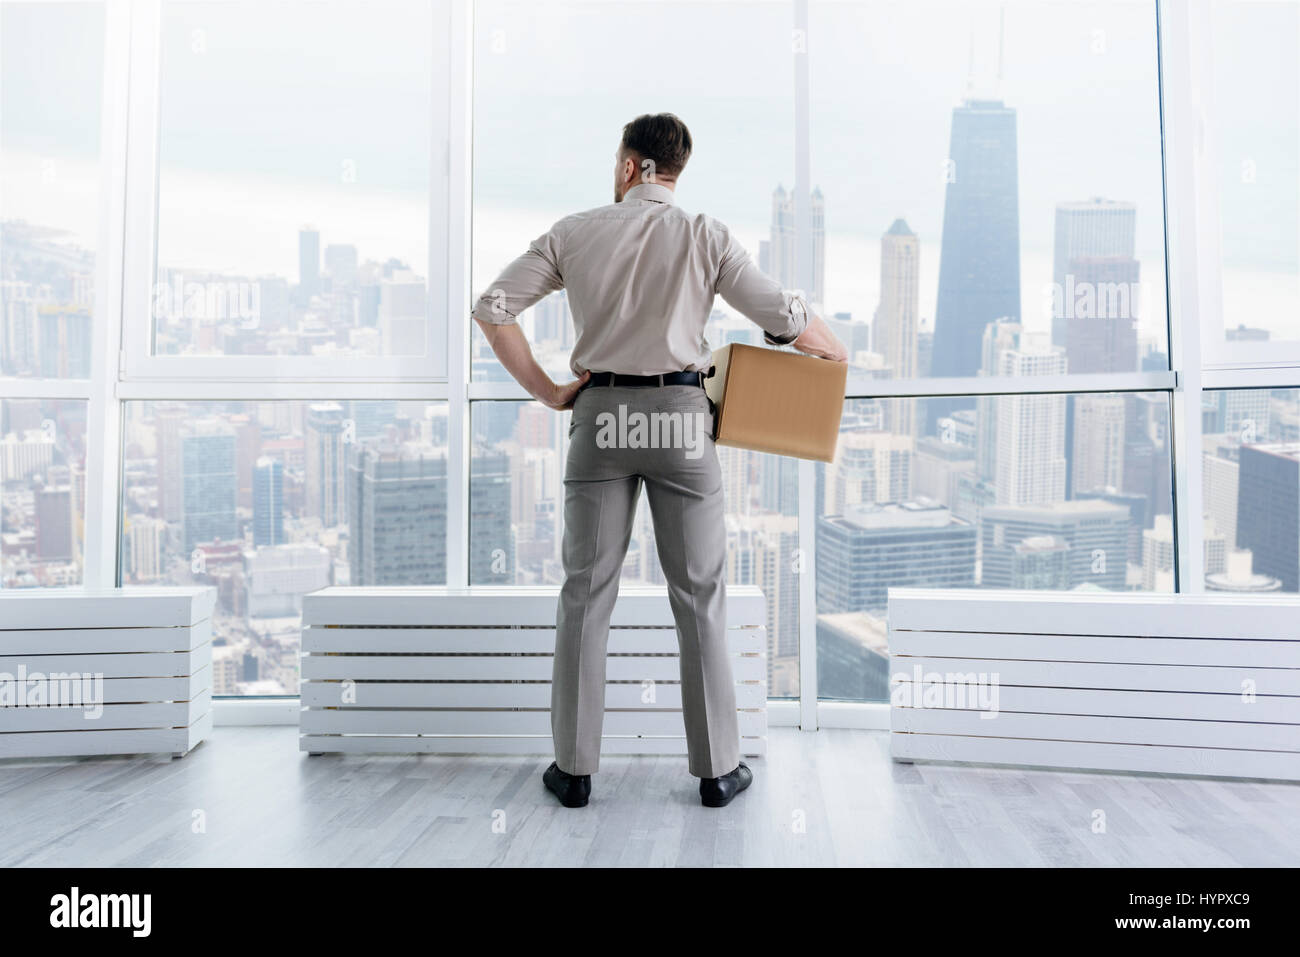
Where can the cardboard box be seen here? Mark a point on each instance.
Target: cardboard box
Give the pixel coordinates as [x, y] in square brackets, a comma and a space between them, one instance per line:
[774, 401]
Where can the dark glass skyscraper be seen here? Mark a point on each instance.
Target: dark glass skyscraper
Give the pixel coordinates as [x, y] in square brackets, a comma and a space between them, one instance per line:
[979, 260]
[268, 502]
[1268, 510]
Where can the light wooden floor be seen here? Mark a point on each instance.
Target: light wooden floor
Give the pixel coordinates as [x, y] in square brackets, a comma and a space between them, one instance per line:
[829, 798]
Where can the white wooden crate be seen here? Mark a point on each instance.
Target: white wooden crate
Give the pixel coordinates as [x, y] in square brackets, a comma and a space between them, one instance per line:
[1184, 684]
[131, 669]
[468, 671]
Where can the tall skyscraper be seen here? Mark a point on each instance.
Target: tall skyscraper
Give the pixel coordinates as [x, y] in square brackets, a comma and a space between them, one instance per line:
[1221, 472]
[1268, 509]
[864, 552]
[402, 318]
[817, 208]
[169, 420]
[1093, 274]
[65, 336]
[1030, 466]
[1244, 414]
[268, 502]
[146, 539]
[308, 262]
[1096, 294]
[397, 517]
[870, 468]
[552, 321]
[209, 483]
[1094, 532]
[341, 264]
[894, 328]
[54, 522]
[1097, 449]
[1095, 297]
[1020, 438]
[979, 259]
[324, 463]
[18, 328]
[491, 536]
[760, 550]
[781, 252]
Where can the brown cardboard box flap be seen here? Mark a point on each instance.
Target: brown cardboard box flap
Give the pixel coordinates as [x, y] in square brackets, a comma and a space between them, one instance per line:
[773, 401]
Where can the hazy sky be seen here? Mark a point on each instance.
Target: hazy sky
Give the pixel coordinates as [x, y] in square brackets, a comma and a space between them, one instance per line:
[280, 114]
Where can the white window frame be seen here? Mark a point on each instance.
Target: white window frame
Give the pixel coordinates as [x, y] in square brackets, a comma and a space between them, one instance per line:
[1275, 359]
[122, 370]
[137, 360]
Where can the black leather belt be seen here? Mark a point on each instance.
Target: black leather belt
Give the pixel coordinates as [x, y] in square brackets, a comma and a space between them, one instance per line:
[621, 380]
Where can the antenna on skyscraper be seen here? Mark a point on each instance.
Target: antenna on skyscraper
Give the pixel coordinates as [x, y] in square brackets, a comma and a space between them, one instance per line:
[1002, 19]
[970, 66]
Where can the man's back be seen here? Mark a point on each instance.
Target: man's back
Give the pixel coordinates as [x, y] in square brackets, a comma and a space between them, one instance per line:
[641, 277]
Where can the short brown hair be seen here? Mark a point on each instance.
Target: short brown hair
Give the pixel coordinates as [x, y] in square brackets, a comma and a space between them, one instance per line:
[661, 138]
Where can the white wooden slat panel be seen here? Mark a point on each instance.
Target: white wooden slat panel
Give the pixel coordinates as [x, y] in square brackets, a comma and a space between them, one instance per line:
[129, 607]
[1075, 674]
[34, 641]
[426, 721]
[129, 741]
[447, 670]
[667, 695]
[149, 664]
[181, 688]
[1204, 684]
[152, 715]
[1105, 613]
[1093, 756]
[540, 745]
[1170, 651]
[1143, 704]
[1100, 728]
[502, 667]
[320, 639]
[511, 605]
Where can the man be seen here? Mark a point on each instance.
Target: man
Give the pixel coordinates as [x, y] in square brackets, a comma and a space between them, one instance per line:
[641, 276]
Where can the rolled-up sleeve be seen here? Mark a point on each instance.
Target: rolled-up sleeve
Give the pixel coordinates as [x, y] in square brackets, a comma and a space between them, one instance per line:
[525, 281]
[781, 314]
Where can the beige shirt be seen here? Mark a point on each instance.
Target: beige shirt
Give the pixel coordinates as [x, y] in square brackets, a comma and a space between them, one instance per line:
[641, 277]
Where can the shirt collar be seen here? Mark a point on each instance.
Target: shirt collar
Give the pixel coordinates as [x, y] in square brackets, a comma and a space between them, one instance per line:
[651, 191]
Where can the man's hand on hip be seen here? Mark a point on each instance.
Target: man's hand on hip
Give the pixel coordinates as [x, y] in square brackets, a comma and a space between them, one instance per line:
[510, 346]
[562, 395]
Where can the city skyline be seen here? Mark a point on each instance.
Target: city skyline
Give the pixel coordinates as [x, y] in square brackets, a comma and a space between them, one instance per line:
[938, 269]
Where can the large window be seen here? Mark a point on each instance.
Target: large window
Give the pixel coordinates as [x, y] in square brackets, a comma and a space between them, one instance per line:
[1006, 167]
[42, 492]
[517, 520]
[51, 64]
[536, 164]
[1255, 105]
[299, 179]
[1043, 491]
[1251, 468]
[248, 361]
[267, 501]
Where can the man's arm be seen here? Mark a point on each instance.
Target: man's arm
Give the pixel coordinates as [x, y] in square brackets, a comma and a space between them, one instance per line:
[818, 340]
[784, 317]
[525, 281]
[508, 342]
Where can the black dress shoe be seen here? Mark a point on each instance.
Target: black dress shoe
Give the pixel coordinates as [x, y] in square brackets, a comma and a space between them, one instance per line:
[572, 789]
[718, 792]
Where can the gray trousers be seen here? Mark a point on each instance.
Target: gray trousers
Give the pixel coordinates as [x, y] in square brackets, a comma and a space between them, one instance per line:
[602, 483]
